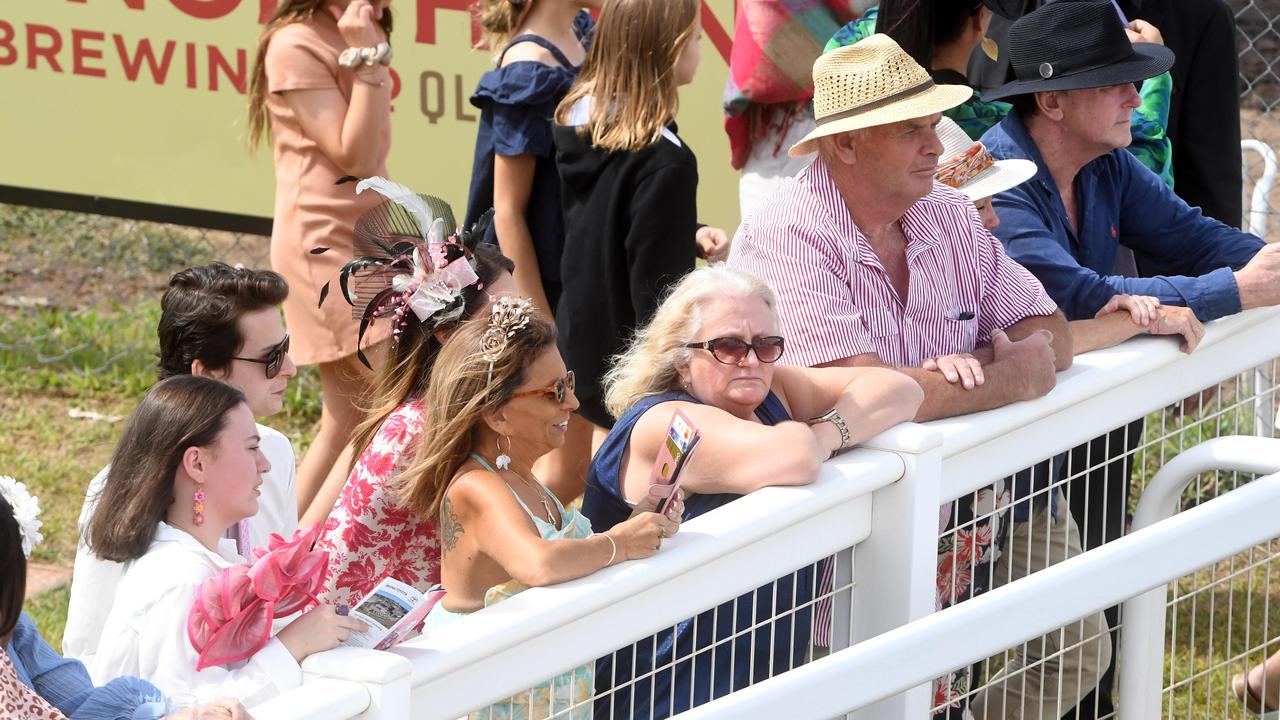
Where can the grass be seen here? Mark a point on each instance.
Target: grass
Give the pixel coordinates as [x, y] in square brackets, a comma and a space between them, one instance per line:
[78, 312]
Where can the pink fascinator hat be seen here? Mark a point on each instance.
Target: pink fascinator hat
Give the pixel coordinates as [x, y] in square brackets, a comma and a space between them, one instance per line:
[230, 619]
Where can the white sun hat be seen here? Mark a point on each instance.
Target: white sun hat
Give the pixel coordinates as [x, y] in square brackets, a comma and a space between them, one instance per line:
[967, 166]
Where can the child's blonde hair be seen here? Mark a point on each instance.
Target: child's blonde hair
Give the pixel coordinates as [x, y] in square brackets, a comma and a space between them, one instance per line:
[630, 72]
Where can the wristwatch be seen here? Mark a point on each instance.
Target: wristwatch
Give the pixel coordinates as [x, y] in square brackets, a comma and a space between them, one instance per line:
[833, 416]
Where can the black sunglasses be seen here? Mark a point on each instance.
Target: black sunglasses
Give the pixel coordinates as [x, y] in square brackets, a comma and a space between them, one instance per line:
[273, 359]
[558, 389]
[731, 351]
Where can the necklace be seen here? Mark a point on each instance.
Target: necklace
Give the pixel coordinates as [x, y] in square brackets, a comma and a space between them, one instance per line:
[541, 492]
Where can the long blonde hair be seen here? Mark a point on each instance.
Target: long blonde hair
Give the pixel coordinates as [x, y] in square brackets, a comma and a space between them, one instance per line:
[458, 396]
[630, 72]
[650, 363]
[289, 11]
[500, 19]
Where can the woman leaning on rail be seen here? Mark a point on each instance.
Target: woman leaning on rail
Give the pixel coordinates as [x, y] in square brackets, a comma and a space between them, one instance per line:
[711, 351]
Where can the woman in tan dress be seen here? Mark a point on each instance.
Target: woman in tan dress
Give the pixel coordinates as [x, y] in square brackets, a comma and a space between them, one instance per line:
[326, 122]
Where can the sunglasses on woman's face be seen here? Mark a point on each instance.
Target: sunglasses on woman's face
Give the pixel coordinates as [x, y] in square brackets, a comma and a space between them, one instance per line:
[559, 389]
[273, 359]
[731, 351]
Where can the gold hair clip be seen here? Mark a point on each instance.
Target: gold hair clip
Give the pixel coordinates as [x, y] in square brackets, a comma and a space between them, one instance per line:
[506, 316]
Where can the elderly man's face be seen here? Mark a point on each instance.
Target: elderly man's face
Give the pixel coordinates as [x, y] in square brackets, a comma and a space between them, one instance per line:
[735, 388]
[902, 156]
[1099, 118]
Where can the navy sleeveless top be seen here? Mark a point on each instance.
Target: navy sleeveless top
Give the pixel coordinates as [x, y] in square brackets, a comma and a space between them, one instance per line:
[700, 659]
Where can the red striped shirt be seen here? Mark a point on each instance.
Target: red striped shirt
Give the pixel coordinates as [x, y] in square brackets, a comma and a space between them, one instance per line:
[834, 296]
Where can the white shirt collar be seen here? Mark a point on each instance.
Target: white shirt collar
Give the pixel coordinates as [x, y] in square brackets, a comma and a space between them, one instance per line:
[224, 557]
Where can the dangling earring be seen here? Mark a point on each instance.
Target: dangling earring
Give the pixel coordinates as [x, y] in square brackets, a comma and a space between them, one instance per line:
[503, 461]
[197, 505]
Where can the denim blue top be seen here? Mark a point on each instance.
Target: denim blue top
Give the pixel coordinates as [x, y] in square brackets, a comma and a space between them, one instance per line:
[1120, 202]
[65, 683]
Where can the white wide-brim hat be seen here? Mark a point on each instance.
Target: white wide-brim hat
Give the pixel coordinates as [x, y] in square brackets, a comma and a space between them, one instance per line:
[1001, 176]
[872, 82]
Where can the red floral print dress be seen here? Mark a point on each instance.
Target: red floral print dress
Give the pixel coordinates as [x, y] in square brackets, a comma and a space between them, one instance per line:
[369, 535]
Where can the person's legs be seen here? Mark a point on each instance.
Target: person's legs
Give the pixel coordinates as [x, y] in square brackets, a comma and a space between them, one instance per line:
[1050, 674]
[1260, 687]
[343, 384]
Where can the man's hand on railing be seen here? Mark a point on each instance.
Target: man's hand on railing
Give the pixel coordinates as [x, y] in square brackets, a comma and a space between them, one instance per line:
[1259, 281]
[1178, 321]
[1032, 361]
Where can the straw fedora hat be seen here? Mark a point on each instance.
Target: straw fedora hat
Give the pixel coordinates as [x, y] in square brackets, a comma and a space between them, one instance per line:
[982, 176]
[872, 82]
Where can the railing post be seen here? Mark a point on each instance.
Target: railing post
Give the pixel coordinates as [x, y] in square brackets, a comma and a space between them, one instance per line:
[897, 563]
[1142, 631]
[387, 676]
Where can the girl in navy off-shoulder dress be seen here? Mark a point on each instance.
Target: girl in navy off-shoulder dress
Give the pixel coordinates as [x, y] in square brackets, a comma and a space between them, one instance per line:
[543, 42]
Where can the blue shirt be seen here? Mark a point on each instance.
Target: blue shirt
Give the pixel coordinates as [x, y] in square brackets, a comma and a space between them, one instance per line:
[65, 684]
[1120, 202]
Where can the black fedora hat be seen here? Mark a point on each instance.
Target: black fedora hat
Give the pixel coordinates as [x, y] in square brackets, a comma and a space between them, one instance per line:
[1010, 9]
[1069, 45]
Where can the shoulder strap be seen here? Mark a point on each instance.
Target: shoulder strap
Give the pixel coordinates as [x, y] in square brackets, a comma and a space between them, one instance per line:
[538, 40]
[485, 464]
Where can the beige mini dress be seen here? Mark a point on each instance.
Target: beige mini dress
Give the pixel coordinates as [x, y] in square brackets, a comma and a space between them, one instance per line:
[311, 211]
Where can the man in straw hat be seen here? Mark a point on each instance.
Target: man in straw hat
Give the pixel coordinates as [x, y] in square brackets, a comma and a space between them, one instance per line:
[875, 264]
[1073, 92]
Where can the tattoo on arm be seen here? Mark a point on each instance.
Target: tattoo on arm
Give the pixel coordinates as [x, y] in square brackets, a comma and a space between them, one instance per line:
[450, 527]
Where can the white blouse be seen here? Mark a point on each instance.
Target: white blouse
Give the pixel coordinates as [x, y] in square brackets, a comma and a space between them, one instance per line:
[94, 580]
[146, 632]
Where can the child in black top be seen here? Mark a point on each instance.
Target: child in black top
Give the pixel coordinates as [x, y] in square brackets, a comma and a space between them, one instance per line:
[628, 184]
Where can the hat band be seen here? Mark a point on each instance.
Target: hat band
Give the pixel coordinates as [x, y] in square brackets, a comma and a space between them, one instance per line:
[876, 104]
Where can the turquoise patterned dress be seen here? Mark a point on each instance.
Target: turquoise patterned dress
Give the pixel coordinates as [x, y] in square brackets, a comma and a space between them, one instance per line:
[566, 696]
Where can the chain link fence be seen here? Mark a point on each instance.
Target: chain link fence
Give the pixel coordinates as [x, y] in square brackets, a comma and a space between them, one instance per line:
[1258, 45]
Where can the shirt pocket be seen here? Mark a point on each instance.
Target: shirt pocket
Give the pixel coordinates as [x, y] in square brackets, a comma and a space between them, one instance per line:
[957, 336]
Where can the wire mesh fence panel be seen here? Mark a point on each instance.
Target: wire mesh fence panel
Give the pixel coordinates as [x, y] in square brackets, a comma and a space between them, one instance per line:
[1221, 620]
[757, 635]
[1258, 46]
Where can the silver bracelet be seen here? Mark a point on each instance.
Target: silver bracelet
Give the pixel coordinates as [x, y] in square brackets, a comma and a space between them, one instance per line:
[613, 553]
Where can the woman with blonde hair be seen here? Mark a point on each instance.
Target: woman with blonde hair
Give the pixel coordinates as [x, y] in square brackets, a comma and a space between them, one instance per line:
[321, 89]
[710, 352]
[504, 399]
[629, 184]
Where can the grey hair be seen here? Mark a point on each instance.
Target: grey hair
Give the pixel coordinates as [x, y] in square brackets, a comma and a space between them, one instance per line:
[650, 363]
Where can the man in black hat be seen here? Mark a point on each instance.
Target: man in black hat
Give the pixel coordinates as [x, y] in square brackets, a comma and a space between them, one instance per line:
[1073, 94]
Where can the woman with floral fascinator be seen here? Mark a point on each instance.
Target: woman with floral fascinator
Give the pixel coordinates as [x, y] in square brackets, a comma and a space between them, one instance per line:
[37, 682]
[423, 277]
[187, 467]
[321, 92]
[506, 397]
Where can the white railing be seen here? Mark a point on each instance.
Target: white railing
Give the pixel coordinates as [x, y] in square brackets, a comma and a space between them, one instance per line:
[904, 475]
[897, 660]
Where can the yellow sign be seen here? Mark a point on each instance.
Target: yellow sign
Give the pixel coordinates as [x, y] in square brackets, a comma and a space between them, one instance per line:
[140, 104]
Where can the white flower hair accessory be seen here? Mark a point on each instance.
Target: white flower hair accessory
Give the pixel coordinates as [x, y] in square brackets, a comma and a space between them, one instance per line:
[26, 510]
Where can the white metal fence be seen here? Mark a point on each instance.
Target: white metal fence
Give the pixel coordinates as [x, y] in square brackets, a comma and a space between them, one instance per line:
[877, 507]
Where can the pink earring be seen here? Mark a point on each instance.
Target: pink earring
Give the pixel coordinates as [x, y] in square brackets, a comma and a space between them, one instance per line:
[198, 504]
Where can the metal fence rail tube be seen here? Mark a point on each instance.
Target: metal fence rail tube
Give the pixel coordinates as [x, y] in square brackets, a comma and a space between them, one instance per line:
[319, 699]
[1142, 636]
[1002, 618]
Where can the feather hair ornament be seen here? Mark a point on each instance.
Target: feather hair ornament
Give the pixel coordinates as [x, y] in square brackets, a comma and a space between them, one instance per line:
[410, 257]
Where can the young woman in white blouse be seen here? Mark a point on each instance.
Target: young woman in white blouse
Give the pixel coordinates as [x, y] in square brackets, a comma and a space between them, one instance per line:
[188, 467]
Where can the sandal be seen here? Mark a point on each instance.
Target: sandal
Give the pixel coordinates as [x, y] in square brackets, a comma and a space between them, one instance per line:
[1244, 693]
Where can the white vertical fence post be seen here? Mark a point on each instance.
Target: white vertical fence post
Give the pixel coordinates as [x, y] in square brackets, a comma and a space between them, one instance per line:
[897, 563]
[1142, 634]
